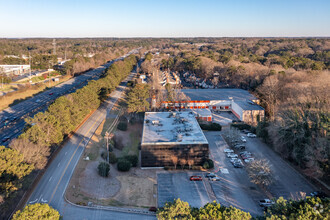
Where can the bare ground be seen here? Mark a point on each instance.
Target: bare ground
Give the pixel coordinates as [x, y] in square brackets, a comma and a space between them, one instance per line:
[136, 188]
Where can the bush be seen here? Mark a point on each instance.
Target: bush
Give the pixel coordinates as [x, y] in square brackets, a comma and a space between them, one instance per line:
[208, 164]
[104, 155]
[122, 126]
[124, 165]
[103, 169]
[113, 159]
[211, 127]
[118, 142]
[133, 159]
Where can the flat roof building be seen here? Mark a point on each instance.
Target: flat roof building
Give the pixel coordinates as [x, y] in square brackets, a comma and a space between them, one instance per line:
[240, 102]
[172, 137]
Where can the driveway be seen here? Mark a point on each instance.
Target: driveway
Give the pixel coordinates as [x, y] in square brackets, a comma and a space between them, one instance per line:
[173, 185]
[234, 188]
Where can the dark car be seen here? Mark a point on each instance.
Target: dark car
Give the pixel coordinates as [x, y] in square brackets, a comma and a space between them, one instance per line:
[153, 209]
[210, 175]
[51, 93]
[196, 178]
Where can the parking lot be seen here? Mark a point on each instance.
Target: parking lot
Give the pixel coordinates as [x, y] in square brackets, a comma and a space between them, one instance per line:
[172, 185]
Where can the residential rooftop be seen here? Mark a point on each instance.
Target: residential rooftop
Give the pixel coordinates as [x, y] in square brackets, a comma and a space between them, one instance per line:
[171, 128]
[218, 94]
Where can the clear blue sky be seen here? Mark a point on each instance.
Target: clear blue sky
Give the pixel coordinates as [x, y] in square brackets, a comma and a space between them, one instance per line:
[164, 18]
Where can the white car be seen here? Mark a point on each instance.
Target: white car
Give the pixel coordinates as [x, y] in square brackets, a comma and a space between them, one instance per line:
[248, 160]
[215, 178]
[235, 160]
[251, 135]
[228, 150]
[266, 203]
[231, 155]
[243, 139]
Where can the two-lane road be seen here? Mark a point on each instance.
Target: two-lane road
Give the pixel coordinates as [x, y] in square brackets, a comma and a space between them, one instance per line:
[52, 185]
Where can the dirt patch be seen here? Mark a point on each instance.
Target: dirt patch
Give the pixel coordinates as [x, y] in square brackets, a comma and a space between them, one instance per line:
[136, 188]
[102, 187]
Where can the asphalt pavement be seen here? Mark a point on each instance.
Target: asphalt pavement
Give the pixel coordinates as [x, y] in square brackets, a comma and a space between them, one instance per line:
[51, 188]
[12, 119]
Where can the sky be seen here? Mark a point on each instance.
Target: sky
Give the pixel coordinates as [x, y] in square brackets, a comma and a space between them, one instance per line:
[164, 18]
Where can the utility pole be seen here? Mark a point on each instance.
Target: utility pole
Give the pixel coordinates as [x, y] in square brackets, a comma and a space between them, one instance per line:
[107, 137]
[30, 63]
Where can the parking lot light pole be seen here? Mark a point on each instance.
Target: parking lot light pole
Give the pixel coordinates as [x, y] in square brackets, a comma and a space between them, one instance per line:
[107, 137]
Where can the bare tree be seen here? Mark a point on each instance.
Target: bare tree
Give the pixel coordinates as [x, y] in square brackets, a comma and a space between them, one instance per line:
[32, 153]
[190, 162]
[260, 172]
[183, 162]
[175, 160]
[270, 90]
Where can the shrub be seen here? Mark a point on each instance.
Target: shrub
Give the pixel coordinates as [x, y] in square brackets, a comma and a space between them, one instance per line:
[124, 165]
[208, 164]
[211, 127]
[103, 169]
[133, 159]
[113, 159]
[118, 142]
[104, 155]
[122, 126]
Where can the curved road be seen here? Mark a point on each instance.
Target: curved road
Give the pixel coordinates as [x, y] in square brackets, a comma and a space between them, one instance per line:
[52, 186]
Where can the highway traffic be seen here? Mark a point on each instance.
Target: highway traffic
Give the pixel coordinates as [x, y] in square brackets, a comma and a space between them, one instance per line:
[12, 119]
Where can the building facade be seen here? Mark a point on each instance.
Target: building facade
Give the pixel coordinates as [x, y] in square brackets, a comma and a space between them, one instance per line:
[171, 139]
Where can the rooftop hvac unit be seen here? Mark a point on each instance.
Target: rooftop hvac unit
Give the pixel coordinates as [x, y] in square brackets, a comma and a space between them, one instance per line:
[179, 137]
[155, 122]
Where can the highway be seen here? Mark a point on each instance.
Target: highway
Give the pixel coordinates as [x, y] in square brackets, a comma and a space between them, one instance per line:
[12, 119]
[52, 186]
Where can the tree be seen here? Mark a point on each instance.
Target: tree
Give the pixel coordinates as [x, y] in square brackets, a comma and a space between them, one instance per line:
[103, 169]
[190, 162]
[137, 98]
[174, 160]
[37, 211]
[270, 90]
[32, 153]
[182, 162]
[260, 173]
[12, 169]
[309, 208]
[148, 56]
[175, 210]
[133, 159]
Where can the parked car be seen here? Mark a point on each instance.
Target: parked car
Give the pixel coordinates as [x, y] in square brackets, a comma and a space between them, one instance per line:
[214, 178]
[235, 160]
[231, 155]
[243, 139]
[51, 93]
[208, 175]
[196, 178]
[249, 160]
[238, 165]
[251, 135]
[240, 146]
[266, 203]
[38, 100]
[228, 151]
[152, 209]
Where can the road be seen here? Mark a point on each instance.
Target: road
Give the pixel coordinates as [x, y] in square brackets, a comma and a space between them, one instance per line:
[13, 126]
[52, 185]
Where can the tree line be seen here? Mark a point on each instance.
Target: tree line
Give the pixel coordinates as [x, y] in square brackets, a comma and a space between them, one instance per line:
[308, 208]
[46, 130]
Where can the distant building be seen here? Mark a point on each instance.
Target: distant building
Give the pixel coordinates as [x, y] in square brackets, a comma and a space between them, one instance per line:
[14, 69]
[169, 135]
[240, 102]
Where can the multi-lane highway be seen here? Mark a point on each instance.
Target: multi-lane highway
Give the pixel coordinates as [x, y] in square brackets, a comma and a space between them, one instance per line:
[12, 118]
[52, 186]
